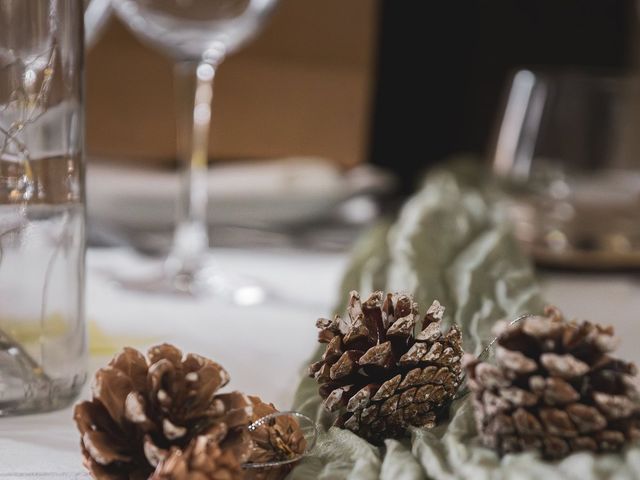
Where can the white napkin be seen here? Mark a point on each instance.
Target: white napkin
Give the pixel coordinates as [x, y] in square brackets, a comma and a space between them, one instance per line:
[247, 193]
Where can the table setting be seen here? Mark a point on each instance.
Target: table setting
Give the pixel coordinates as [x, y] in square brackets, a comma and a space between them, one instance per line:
[282, 317]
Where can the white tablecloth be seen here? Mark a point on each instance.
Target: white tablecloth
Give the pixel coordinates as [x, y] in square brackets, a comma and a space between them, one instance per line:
[263, 347]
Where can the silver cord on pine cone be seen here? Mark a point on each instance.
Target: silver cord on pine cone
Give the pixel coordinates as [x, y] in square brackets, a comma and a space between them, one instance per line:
[484, 355]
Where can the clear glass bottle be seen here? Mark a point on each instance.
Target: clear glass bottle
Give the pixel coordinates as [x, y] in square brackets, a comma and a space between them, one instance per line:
[42, 215]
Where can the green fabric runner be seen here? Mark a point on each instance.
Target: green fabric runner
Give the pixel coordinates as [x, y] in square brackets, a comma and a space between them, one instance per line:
[450, 242]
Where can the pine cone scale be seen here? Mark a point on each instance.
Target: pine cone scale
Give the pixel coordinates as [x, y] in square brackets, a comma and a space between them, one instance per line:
[101, 449]
[133, 364]
[388, 388]
[378, 356]
[112, 387]
[346, 365]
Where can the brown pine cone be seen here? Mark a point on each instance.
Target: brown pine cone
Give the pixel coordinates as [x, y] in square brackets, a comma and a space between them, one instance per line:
[380, 374]
[143, 410]
[277, 440]
[554, 389]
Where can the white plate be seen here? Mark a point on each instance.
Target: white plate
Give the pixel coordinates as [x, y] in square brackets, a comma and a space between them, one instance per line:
[250, 193]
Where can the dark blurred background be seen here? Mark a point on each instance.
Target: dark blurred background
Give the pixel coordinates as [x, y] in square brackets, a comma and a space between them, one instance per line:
[401, 84]
[442, 67]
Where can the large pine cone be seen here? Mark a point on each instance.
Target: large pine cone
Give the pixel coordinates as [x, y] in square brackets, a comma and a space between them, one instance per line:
[142, 409]
[554, 389]
[381, 372]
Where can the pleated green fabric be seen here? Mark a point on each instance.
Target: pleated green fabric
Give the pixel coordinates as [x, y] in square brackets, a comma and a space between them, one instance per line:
[450, 242]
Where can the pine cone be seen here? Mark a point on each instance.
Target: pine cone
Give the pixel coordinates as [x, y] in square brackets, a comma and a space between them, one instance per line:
[277, 440]
[142, 409]
[554, 389]
[385, 376]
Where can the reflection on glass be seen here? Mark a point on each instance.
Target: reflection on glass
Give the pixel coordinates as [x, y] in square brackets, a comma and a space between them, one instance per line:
[96, 14]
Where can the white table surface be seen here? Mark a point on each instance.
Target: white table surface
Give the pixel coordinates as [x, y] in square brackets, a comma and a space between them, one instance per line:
[263, 347]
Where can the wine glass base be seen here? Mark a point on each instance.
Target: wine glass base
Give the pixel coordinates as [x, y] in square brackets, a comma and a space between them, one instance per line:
[204, 282]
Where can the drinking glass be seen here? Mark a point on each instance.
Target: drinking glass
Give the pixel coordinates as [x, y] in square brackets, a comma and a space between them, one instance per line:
[569, 150]
[42, 220]
[197, 35]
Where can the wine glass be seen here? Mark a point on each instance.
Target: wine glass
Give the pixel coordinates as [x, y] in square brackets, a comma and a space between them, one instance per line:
[96, 14]
[197, 35]
[569, 152]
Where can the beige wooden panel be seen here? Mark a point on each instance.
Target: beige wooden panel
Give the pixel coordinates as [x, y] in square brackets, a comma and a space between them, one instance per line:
[303, 87]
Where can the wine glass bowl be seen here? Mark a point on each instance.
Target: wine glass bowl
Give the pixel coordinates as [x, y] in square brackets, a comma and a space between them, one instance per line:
[195, 29]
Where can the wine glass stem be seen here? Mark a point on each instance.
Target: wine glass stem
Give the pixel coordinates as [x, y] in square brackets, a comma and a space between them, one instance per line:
[194, 92]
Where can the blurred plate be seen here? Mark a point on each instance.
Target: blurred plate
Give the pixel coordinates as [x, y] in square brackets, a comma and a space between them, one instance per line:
[251, 193]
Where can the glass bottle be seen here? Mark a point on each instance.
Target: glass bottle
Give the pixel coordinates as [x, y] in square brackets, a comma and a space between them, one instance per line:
[42, 212]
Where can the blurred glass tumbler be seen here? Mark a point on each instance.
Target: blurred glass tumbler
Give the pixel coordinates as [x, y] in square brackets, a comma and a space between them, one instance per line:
[569, 148]
[42, 215]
